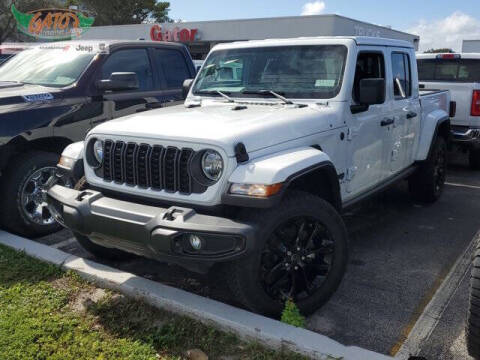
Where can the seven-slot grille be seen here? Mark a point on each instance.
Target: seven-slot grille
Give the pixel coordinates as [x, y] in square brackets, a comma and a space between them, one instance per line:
[147, 166]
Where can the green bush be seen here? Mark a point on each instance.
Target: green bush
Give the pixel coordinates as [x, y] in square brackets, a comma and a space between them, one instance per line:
[291, 315]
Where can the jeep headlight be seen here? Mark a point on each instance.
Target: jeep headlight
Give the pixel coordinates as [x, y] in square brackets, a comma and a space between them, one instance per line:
[212, 164]
[94, 153]
[98, 150]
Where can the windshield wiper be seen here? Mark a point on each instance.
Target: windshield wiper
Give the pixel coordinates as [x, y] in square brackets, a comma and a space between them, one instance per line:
[269, 92]
[216, 92]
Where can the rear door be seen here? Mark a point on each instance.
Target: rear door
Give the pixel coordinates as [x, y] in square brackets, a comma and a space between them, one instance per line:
[405, 109]
[459, 75]
[173, 70]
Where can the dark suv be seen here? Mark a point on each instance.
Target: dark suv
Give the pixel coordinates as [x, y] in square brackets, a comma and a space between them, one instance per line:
[52, 95]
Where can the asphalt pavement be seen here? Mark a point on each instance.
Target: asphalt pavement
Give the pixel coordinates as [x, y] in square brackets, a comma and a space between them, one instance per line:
[401, 253]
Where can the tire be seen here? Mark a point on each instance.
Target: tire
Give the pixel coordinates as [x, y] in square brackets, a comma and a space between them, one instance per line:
[472, 331]
[98, 251]
[248, 278]
[474, 159]
[427, 183]
[19, 185]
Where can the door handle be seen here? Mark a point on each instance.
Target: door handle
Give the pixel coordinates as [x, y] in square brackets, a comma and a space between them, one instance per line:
[387, 121]
[411, 115]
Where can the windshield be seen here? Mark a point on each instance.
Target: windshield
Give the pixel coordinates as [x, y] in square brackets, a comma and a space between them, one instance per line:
[302, 72]
[456, 70]
[48, 67]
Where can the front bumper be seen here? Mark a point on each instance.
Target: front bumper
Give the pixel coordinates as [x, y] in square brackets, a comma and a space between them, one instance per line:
[153, 232]
[466, 136]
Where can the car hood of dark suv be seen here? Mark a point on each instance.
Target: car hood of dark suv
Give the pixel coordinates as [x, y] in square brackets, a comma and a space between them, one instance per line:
[18, 93]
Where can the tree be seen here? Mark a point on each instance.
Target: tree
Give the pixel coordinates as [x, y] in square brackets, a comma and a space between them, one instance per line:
[437, 51]
[120, 12]
[7, 21]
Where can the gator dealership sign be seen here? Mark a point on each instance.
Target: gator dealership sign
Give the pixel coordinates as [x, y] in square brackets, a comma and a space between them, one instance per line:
[176, 34]
[52, 24]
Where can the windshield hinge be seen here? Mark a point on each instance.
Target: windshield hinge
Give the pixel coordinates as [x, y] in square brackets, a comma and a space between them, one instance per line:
[241, 153]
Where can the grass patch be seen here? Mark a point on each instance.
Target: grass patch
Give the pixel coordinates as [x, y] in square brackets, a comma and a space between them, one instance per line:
[46, 313]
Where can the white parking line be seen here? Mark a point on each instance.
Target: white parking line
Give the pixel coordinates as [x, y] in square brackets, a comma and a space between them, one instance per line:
[433, 312]
[463, 185]
[64, 243]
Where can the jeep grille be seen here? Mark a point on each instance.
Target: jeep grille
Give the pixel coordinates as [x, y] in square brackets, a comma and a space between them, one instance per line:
[147, 166]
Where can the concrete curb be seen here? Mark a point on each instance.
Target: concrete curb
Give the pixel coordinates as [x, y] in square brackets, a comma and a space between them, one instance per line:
[244, 324]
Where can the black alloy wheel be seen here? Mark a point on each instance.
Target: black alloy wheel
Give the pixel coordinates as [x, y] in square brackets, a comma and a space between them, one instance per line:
[297, 259]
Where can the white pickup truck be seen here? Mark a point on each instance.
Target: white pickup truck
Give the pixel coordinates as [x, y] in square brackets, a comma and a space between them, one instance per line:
[459, 73]
[250, 176]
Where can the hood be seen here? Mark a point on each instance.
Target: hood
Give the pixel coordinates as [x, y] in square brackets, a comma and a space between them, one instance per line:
[17, 93]
[226, 124]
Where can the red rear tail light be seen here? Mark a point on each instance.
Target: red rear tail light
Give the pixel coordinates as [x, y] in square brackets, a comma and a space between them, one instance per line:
[476, 103]
[449, 56]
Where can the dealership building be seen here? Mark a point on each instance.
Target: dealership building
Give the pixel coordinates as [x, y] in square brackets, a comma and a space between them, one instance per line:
[201, 36]
[471, 46]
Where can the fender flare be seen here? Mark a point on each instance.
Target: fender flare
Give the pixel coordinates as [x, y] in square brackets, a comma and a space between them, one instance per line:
[432, 124]
[283, 167]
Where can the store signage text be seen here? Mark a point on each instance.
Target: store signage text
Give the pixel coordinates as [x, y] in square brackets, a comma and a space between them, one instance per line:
[176, 34]
[52, 24]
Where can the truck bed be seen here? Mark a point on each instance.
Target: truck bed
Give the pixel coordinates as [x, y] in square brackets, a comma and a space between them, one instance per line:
[432, 100]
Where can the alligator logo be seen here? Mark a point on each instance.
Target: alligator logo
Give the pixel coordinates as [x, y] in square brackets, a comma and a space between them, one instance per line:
[52, 24]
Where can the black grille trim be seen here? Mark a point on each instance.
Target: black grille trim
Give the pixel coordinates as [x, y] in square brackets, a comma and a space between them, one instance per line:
[149, 167]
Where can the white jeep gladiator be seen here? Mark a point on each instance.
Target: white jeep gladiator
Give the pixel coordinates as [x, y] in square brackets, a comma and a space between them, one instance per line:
[249, 177]
[459, 73]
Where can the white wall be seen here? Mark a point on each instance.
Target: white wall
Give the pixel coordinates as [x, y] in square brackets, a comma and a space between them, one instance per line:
[471, 46]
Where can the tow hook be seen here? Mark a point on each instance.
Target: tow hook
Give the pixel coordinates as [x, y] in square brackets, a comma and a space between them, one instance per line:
[177, 213]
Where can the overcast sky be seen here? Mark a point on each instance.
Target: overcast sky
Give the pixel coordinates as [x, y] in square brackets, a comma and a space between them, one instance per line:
[439, 23]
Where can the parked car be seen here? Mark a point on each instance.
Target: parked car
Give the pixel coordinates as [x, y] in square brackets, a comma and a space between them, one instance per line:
[52, 95]
[253, 173]
[459, 73]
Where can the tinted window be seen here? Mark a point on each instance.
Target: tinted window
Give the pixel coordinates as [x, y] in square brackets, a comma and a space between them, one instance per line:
[130, 60]
[401, 70]
[461, 70]
[174, 67]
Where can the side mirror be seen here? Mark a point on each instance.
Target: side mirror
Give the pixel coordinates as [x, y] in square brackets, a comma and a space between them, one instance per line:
[187, 84]
[119, 81]
[372, 91]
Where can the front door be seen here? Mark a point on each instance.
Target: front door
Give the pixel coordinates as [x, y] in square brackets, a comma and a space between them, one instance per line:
[149, 93]
[367, 134]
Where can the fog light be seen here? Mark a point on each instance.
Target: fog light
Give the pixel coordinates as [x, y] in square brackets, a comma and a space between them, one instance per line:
[195, 241]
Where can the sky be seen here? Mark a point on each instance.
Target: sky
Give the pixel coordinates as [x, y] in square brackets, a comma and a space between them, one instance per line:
[439, 23]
